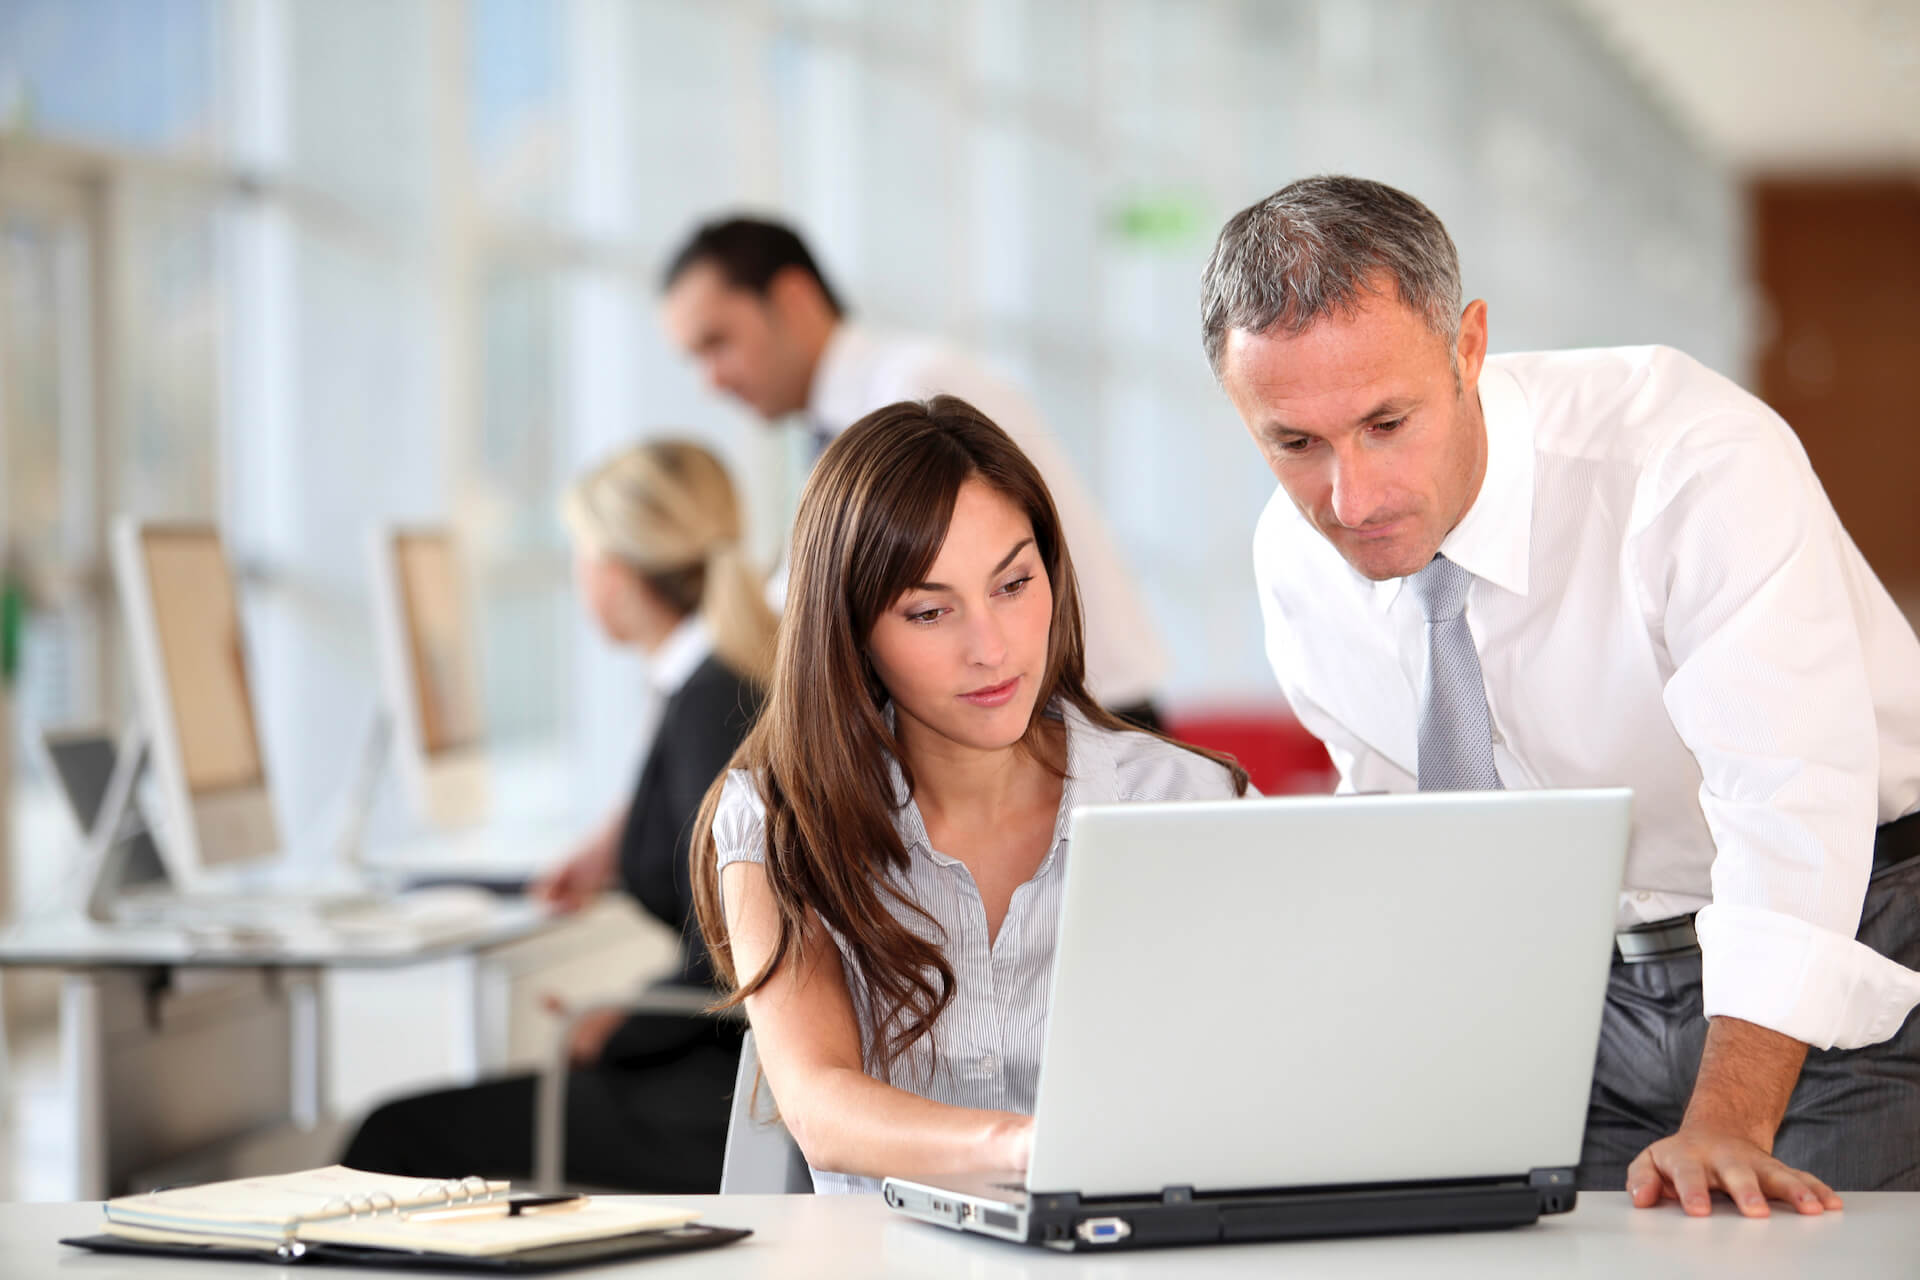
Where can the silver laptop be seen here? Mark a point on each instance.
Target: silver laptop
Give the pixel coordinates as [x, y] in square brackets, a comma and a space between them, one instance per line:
[1313, 1016]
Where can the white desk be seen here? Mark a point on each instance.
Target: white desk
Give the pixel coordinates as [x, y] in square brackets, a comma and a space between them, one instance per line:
[172, 1051]
[77, 943]
[456, 1018]
[856, 1237]
[169, 1047]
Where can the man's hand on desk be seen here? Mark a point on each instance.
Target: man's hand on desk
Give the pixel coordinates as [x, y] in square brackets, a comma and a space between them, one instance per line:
[1725, 1141]
[1697, 1160]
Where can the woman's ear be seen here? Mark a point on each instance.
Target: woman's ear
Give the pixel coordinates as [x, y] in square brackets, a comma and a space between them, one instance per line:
[651, 616]
[627, 608]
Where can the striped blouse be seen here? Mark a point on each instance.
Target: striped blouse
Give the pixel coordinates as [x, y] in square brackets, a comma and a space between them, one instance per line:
[985, 1048]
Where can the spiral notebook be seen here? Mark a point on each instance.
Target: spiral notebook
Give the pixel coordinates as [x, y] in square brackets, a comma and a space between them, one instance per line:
[337, 1214]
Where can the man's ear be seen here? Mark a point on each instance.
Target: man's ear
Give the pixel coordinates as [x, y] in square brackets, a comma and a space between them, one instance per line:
[791, 292]
[1472, 349]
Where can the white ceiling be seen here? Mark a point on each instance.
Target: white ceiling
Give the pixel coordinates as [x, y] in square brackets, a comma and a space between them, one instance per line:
[1782, 85]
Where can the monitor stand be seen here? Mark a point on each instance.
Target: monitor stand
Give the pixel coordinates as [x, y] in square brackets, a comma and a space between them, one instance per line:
[356, 801]
[116, 862]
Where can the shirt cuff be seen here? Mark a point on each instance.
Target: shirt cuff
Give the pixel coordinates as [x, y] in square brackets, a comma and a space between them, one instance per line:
[1782, 973]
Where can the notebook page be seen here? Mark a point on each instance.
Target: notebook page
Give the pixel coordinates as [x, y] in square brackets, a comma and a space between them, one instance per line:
[267, 1244]
[481, 1237]
[273, 1205]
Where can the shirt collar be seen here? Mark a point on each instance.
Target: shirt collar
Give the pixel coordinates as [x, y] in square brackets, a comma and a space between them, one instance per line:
[1092, 778]
[838, 392]
[674, 663]
[1493, 540]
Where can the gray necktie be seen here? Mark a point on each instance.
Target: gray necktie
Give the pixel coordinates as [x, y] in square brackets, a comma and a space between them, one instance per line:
[1456, 733]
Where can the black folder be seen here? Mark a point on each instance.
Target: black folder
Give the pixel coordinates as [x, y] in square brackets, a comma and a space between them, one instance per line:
[547, 1258]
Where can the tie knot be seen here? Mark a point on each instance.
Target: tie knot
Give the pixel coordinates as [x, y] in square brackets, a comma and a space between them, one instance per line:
[1441, 588]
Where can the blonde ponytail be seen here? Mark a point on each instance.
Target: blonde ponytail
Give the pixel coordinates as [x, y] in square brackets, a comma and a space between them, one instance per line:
[667, 510]
[734, 604]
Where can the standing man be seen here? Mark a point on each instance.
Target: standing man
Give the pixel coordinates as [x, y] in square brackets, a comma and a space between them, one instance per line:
[1594, 568]
[746, 300]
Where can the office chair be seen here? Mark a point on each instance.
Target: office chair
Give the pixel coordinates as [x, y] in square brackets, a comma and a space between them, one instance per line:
[550, 1096]
[761, 1157]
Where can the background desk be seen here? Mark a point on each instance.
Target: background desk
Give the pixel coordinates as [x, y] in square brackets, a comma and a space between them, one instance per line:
[856, 1237]
[183, 1063]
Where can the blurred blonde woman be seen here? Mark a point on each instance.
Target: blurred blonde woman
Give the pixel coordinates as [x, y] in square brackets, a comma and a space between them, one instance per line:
[657, 560]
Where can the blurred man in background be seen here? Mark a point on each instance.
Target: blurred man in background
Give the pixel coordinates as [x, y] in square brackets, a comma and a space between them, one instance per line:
[745, 298]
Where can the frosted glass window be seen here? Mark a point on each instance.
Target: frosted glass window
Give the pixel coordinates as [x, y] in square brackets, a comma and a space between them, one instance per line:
[515, 119]
[138, 73]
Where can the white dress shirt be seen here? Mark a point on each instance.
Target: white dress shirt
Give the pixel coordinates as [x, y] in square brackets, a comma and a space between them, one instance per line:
[689, 644]
[985, 1047]
[1663, 598]
[862, 371]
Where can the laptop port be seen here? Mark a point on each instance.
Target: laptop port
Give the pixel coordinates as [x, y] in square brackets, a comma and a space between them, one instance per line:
[1103, 1230]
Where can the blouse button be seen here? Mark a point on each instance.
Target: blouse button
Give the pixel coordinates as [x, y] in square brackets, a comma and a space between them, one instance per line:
[989, 1064]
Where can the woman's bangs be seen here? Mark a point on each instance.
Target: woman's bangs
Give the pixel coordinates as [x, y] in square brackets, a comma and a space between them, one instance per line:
[900, 537]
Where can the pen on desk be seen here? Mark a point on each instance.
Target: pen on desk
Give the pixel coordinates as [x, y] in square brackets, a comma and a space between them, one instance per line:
[510, 1208]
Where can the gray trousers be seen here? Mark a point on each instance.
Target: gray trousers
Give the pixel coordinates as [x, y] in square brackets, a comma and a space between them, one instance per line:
[1854, 1118]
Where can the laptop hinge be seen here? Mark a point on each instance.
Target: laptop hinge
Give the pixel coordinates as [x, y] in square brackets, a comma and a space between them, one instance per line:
[1176, 1195]
[1556, 1189]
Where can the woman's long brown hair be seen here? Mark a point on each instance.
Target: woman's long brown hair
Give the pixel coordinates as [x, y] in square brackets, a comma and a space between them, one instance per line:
[871, 523]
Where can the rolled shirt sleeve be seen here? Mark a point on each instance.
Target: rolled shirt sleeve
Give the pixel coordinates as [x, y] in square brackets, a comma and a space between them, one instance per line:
[739, 825]
[1739, 561]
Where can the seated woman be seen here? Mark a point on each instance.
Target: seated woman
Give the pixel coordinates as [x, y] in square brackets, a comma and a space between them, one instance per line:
[655, 530]
[879, 873]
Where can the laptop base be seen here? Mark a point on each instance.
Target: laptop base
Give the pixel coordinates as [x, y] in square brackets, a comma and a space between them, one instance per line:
[1178, 1216]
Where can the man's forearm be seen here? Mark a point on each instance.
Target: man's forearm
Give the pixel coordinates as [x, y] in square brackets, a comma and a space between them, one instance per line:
[1747, 1074]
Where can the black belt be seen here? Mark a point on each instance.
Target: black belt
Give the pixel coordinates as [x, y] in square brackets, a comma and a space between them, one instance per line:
[1658, 940]
[1894, 844]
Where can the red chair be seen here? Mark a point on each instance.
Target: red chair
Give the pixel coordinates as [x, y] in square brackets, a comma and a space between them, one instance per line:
[1281, 757]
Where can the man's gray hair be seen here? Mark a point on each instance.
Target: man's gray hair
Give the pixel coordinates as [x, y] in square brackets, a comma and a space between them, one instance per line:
[1315, 248]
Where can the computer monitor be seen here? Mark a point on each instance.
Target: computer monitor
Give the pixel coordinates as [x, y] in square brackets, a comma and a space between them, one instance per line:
[190, 681]
[429, 674]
